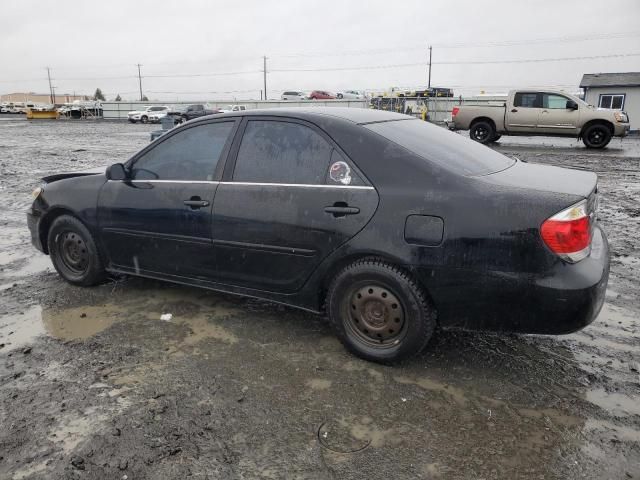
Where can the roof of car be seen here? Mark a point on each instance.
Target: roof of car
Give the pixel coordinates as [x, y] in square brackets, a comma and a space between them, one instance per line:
[354, 115]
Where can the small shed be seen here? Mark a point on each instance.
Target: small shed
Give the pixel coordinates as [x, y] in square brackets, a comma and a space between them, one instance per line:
[617, 91]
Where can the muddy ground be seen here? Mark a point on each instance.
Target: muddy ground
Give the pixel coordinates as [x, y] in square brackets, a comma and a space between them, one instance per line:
[93, 384]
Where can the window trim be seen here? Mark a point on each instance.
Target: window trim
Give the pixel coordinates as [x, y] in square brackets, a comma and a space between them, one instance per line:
[217, 173]
[623, 95]
[232, 157]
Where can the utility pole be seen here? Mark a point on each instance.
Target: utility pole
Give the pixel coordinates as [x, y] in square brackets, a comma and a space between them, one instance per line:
[429, 84]
[51, 95]
[140, 81]
[265, 75]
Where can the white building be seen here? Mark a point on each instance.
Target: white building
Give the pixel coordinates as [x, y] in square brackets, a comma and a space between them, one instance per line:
[618, 91]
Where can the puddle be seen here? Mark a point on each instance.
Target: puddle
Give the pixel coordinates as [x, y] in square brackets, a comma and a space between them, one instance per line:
[618, 404]
[35, 262]
[456, 394]
[73, 429]
[19, 330]
[618, 432]
[318, 384]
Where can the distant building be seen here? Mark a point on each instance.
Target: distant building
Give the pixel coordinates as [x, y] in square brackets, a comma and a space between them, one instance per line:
[41, 97]
[618, 91]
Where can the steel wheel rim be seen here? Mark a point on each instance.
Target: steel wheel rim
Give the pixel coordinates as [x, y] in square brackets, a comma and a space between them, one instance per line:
[73, 252]
[375, 315]
[596, 137]
[480, 133]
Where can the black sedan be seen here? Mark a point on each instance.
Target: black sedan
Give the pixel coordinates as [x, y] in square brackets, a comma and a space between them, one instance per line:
[390, 225]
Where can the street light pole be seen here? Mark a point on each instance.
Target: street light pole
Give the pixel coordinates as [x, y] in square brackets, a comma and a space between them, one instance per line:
[265, 75]
[429, 83]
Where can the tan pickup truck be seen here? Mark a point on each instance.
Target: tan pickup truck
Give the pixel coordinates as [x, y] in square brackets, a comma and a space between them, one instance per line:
[533, 112]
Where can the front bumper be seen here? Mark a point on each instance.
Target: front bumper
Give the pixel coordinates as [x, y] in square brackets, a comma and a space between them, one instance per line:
[564, 299]
[621, 129]
[33, 222]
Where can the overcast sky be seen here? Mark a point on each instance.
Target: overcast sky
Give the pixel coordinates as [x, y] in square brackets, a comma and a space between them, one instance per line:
[217, 46]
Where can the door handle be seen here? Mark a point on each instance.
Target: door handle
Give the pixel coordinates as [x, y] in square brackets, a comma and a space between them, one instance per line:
[196, 202]
[341, 209]
[514, 110]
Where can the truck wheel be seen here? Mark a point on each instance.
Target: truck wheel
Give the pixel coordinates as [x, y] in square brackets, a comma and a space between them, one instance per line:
[496, 137]
[596, 136]
[379, 312]
[482, 132]
[74, 253]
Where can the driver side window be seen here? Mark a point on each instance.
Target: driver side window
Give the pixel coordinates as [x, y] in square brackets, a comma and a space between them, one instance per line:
[191, 154]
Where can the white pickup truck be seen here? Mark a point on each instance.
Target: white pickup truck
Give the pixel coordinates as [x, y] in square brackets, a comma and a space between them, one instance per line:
[533, 112]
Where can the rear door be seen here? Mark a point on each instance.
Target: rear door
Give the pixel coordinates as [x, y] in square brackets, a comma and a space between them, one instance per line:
[288, 200]
[523, 115]
[159, 220]
[555, 117]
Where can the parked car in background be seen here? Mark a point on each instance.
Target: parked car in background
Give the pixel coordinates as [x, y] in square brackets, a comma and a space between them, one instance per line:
[351, 95]
[5, 109]
[321, 95]
[144, 114]
[548, 113]
[293, 95]
[232, 108]
[394, 224]
[184, 113]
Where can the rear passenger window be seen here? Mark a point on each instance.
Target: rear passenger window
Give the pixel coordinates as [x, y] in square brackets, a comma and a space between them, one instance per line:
[526, 100]
[191, 154]
[282, 152]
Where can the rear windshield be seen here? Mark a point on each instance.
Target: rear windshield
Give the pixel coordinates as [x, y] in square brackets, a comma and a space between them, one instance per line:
[440, 146]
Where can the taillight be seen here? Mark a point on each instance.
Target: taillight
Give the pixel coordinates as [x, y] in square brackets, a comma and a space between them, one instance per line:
[455, 111]
[568, 233]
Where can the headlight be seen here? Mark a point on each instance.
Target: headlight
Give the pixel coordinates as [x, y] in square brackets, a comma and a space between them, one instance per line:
[621, 117]
[36, 192]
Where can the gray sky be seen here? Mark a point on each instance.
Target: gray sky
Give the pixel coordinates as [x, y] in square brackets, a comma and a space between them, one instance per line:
[91, 44]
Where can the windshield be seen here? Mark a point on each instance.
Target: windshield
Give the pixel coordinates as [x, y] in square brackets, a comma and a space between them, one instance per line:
[447, 149]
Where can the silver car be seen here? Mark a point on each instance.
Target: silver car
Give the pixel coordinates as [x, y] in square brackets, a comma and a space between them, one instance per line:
[293, 95]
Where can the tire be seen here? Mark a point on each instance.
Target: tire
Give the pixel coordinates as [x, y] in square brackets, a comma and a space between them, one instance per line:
[74, 253]
[144, 119]
[596, 136]
[496, 137]
[482, 132]
[379, 312]
[130, 120]
[340, 96]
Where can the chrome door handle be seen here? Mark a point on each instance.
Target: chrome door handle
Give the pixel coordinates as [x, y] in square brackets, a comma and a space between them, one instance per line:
[195, 204]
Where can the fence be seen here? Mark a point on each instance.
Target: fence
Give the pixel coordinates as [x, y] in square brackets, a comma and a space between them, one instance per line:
[119, 110]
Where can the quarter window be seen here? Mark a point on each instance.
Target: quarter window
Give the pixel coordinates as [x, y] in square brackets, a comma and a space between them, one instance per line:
[282, 152]
[613, 101]
[554, 101]
[188, 155]
[526, 100]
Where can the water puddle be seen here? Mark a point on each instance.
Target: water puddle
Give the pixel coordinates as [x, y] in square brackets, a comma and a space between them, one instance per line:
[618, 404]
[35, 262]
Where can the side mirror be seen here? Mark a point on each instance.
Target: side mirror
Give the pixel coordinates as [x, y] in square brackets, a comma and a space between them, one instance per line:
[571, 105]
[116, 172]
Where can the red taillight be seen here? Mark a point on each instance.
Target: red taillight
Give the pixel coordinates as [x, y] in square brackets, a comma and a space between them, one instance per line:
[568, 233]
[455, 111]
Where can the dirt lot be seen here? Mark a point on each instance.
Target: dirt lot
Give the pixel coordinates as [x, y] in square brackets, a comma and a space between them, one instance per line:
[93, 384]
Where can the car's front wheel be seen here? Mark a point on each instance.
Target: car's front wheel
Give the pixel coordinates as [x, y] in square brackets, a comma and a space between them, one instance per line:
[340, 96]
[596, 136]
[74, 253]
[379, 312]
[482, 132]
[144, 119]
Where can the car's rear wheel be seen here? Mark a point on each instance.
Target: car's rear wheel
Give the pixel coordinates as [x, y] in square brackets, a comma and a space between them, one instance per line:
[340, 96]
[482, 132]
[74, 253]
[131, 120]
[379, 312]
[596, 136]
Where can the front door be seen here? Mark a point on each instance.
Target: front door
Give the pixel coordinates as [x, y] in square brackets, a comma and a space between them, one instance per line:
[555, 117]
[292, 198]
[159, 220]
[522, 116]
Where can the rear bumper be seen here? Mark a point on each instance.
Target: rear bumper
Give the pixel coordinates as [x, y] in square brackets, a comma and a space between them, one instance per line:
[562, 300]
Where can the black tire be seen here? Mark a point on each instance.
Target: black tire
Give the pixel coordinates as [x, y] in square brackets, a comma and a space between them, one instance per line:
[132, 121]
[496, 137]
[482, 132]
[74, 253]
[596, 136]
[379, 312]
[144, 119]
[340, 96]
